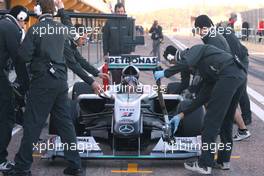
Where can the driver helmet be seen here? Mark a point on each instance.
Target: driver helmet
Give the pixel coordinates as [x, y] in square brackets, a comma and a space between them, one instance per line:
[130, 76]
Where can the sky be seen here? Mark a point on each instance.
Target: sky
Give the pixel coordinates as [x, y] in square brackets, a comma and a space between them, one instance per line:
[141, 6]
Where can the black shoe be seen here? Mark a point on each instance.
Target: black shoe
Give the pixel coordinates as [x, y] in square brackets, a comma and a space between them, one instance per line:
[6, 166]
[71, 171]
[241, 135]
[223, 165]
[17, 173]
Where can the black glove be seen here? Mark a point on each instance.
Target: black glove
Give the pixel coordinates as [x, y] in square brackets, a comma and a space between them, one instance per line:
[19, 94]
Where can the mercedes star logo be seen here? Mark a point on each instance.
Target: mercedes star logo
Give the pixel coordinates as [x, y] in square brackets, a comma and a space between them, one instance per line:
[126, 129]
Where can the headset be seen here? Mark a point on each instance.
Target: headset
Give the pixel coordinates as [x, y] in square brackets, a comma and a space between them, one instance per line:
[37, 9]
[22, 16]
[20, 13]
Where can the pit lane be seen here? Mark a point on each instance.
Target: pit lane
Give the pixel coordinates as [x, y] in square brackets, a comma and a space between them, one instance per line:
[247, 157]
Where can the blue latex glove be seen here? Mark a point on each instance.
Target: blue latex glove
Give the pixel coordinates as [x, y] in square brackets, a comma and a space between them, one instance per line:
[158, 75]
[174, 122]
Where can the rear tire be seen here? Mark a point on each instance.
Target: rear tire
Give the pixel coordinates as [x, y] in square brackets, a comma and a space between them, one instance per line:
[74, 114]
[85, 107]
[81, 88]
[78, 89]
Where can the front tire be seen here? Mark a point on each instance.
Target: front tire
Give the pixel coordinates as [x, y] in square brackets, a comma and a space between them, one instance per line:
[191, 125]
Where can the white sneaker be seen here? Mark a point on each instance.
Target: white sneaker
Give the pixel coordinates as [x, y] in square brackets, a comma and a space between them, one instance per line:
[223, 166]
[241, 135]
[6, 166]
[193, 166]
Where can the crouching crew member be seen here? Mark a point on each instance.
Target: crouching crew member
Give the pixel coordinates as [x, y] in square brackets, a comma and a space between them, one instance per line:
[224, 81]
[229, 43]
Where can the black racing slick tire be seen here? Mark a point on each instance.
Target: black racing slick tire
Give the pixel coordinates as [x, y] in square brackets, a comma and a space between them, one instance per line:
[74, 114]
[81, 88]
[192, 124]
[174, 88]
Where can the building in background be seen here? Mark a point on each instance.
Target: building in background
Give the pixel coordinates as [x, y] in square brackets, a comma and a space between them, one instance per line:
[253, 17]
[85, 6]
[2, 5]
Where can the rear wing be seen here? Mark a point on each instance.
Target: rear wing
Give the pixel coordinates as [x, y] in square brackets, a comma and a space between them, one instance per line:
[141, 62]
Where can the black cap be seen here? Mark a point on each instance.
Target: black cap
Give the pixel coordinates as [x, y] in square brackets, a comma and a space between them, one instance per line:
[169, 50]
[203, 21]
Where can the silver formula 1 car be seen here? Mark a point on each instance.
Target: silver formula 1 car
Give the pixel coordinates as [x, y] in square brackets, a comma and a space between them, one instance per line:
[127, 121]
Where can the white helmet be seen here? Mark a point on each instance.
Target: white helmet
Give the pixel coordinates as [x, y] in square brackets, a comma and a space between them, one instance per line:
[130, 75]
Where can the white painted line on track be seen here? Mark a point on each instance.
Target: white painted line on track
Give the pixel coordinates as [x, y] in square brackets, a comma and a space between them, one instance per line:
[257, 96]
[258, 111]
[256, 53]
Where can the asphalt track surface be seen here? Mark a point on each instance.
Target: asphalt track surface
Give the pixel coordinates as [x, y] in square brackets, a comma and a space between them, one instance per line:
[247, 156]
